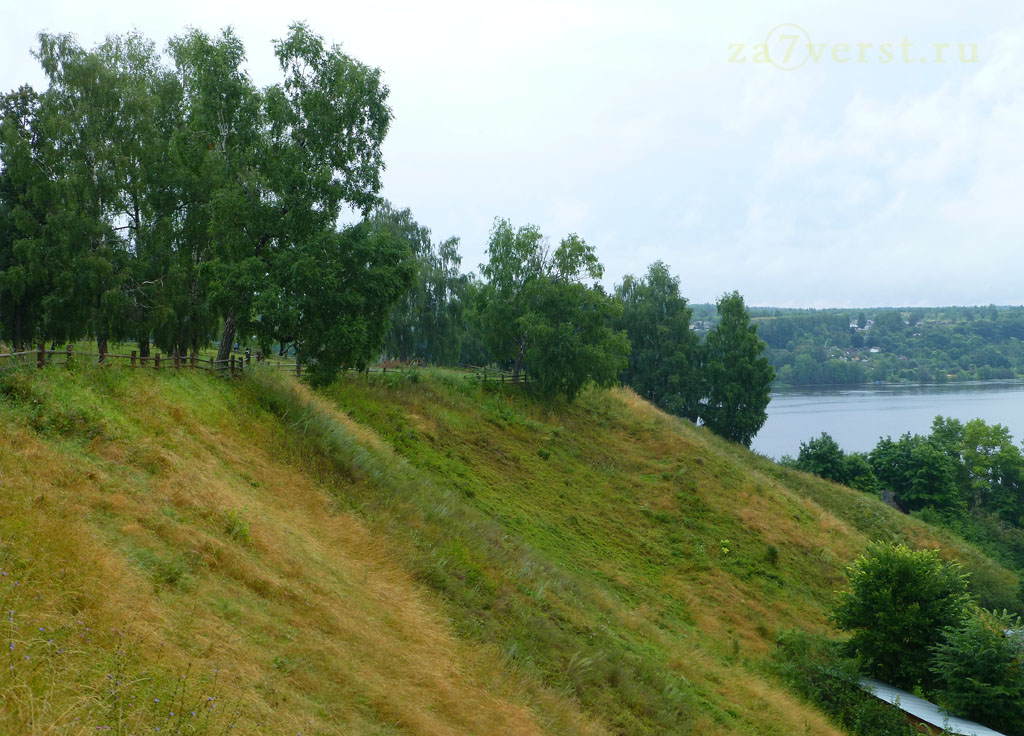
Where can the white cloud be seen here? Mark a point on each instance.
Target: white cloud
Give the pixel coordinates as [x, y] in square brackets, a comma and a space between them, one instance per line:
[831, 184]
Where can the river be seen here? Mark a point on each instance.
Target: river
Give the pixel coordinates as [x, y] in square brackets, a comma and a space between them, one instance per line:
[856, 416]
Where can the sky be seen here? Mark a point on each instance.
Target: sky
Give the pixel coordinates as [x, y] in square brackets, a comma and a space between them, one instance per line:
[806, 154]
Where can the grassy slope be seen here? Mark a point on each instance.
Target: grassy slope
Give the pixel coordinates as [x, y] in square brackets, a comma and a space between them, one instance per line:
[406, 555]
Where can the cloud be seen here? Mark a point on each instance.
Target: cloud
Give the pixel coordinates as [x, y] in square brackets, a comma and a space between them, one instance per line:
[832, 184]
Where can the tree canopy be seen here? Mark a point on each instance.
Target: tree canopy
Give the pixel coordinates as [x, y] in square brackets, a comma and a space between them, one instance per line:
[898, 603]
[153, 200]
[665, 360]
[539, 311]
[737, 377]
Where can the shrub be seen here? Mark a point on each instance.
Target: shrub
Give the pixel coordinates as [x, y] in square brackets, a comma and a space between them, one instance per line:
[823, 457]
[815, 668]
[978, 669]
[898, 603]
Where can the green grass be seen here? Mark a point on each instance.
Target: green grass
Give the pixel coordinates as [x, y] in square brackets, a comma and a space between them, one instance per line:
[409, 553]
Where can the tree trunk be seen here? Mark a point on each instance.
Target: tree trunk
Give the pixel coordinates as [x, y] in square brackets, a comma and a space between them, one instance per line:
[519, 358]
[227, 338]
[143, 348]
[19, 339]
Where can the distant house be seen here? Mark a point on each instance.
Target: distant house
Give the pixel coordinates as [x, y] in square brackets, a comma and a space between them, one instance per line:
[875, 350]
[920, 710]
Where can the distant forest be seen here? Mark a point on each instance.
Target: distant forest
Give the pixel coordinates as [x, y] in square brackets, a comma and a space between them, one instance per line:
[818, 347]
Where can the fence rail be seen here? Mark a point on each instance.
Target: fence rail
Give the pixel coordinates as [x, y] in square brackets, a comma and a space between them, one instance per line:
[235, 365]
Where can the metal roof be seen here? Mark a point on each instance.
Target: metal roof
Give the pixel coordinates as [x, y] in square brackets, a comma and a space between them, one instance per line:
[927, 712]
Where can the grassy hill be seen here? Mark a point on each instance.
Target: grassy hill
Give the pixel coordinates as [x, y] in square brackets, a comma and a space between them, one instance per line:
[409, 554]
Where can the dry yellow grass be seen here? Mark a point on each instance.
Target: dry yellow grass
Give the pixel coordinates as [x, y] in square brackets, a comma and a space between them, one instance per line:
[310, 620]
[168, 525]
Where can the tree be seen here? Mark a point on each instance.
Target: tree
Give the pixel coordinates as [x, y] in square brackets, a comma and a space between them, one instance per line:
[994, 468]
[824, 457]
[332, 300]
[474, 345]
[539, 311]
[24, 194]
[280, 162]
[427, 323]
[859, 473]
[665, 356]
[570, 342]
[979, 669]
[516, 256]
[737, 376]
[87, 253]
[898, 603]
[918, 471]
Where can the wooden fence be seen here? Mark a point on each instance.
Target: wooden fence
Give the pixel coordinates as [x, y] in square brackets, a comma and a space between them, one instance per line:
[235, 365]
[493, 374]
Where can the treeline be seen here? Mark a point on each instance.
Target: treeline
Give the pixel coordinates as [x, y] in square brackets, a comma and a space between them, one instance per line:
[921, 345]
[913, 623]
[965, 476]
[166, 201]
[543, 311]
[174, 203]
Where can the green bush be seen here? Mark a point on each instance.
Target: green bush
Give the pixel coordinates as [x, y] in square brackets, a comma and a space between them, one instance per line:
[815, 668]
[899, 602]
[978, 669]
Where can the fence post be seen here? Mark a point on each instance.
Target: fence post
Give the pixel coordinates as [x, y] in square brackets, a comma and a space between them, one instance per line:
[192, 360]
[156, 362]
[67, 360]
[133, 358]
[232, 367]
[248, 357]
[298, 369]
[177, 359]
[41, 355]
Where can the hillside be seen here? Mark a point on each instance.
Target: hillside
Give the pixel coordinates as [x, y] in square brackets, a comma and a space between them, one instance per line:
[410, 554]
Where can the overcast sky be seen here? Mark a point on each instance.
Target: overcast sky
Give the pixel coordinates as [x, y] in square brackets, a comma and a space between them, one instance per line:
[867, 175]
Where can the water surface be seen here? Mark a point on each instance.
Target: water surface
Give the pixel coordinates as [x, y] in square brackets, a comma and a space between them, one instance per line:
[857, 416]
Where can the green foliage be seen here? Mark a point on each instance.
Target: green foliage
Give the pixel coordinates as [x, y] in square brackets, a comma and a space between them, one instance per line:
[167, 197]
[816, 668]
[664, 362]
[964, 477]
[737, 377]
[427, 322]
[859, 473]
[237, 526]
[515, 258]
[823, 456]
[979, 670]
[334, 297]
[898, 603]
[539, 312]
[933, 345]
[569, 340]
